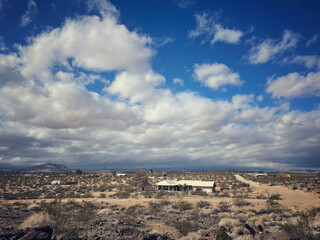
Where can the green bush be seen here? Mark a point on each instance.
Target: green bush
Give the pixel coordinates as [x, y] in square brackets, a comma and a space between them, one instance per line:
[203, 204]
[302, 228]
[184, 205]
[275, 197]
[240, 202]
[184, 227]
[122, 194]
[224, 206]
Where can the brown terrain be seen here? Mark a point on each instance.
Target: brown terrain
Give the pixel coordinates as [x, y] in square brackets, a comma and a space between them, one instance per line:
[104, 206]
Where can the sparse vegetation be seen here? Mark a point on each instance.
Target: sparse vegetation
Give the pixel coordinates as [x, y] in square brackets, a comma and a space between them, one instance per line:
[91, 205]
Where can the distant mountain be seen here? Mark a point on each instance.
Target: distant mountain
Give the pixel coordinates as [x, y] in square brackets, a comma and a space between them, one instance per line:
[41, 168]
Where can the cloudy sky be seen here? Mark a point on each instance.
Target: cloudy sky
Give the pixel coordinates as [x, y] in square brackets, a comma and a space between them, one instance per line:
[160, 84]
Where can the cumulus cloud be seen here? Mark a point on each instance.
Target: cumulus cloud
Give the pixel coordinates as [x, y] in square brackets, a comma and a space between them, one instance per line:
[3, 46]
[28, 16]
[312, 40]
[295, 85]
[216, 75]
[208, 26]
[49, 114]
[138, 88]
[178, 81]
[270, 48]
[185, 3]
[309, 61]
[92, 43]
[104, 7]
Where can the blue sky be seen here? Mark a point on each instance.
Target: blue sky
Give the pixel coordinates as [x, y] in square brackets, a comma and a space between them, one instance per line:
[175, 83]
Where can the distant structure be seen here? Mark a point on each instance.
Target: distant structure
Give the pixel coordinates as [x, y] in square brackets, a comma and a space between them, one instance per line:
[185, 185]
[121, 174]
[261, 175]
[284, 175]
[56, 182]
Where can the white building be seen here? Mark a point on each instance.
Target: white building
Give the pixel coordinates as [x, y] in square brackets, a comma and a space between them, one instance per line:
[120, 174]
[56, 182]
[186, 185]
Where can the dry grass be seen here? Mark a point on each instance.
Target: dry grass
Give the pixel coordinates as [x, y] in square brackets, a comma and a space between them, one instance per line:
[37, 220]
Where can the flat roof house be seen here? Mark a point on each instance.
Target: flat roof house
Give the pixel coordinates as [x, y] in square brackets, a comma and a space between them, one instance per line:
[186, 185]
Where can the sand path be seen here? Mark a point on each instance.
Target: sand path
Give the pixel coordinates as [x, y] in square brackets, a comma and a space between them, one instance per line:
[290, 197]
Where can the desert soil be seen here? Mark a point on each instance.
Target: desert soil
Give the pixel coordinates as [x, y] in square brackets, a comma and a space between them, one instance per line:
[291, 198]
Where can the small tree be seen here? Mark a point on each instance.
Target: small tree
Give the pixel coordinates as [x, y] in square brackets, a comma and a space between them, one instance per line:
[140, 178]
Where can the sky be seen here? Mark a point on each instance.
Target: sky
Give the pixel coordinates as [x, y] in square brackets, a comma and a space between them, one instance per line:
[160, 84]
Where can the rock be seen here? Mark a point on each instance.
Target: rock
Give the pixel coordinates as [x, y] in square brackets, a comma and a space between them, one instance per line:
[251, 230]
[222, 235]
[43, 233]
[13, 234]
[260, 228]
[126, 231]
[155, 236]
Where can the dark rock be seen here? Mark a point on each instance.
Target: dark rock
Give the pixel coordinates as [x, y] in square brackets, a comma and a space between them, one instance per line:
[43, 233]
[222, 235]
[251, 230]
[127, 231]
[155, 236]
[260, 228]
[13, 234]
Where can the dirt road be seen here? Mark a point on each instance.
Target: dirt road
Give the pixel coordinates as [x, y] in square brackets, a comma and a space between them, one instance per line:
[291, 198]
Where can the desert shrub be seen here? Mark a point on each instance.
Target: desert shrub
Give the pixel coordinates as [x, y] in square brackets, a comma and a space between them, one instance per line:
[273, 205]
[203, 204]
[155, 208]
[241, 202]
[302, 227]
[102, 195]
[229, 222]
[225, 194]
[148, 194]
[160, 195]
[261, 196]
[275, 197]
[199, 192]
[224, 206]
[37, 220]
[131, 214]
[88, 195]
[184, 227]
[140, 179]
[123, 194]
[184, 205]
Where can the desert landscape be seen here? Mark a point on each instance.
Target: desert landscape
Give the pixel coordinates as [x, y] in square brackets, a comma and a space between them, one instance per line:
[109, 205]
[159, 120]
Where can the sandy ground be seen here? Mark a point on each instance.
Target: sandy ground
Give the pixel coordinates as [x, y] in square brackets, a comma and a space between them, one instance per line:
[291, 198]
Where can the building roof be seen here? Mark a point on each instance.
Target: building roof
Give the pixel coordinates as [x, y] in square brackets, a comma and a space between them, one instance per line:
[193, 183]
[167, 183]
[196, 183]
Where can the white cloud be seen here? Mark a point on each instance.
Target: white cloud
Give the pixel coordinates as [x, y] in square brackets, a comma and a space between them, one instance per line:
[161, 41]
[136, 87]
[3, 46]
[226, 35]
[93, 43]
[260, 98]
[295, 85]
[48, 113]
[104, 7]
[312, 40]
[216, 75]
[207, 25]
[309, 61]
[185, 3]
[28, 16]
[269, 48]
[178, 81]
